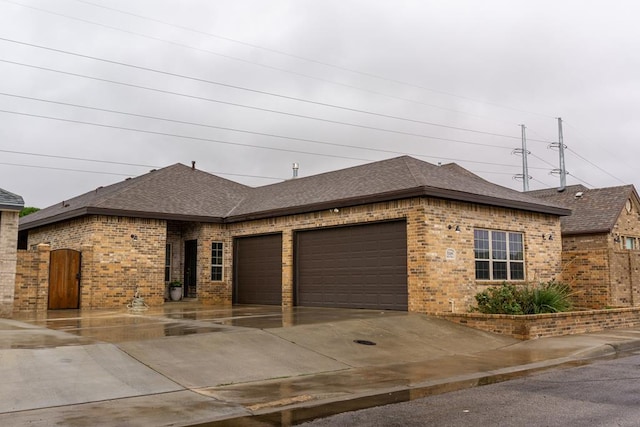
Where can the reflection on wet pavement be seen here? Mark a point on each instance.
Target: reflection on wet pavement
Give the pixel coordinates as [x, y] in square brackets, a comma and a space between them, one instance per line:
[170, 320]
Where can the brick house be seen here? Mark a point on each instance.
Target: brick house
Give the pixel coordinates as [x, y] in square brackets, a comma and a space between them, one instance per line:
[10, 207]
[398, 234]
[600, 243]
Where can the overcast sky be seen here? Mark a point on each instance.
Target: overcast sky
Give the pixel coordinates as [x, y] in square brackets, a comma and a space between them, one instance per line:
[246, 88]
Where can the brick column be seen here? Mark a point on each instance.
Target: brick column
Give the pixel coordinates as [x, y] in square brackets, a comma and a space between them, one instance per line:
[287, 268]
[8, 259]
[43, 259]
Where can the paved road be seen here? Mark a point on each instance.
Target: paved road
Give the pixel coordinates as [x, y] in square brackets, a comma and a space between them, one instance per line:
[606, 393]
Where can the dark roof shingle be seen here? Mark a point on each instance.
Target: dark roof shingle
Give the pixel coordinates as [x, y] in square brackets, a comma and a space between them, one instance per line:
[593, 211]
[174, 192]
[10, 201]
[403, 176]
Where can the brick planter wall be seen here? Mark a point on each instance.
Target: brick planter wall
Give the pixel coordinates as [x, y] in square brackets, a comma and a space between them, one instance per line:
[548, 325]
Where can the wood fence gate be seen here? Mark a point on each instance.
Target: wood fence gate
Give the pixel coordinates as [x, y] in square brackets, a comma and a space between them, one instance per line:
[64, 279]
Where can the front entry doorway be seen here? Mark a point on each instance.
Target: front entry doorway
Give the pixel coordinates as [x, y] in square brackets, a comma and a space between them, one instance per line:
[190, 268]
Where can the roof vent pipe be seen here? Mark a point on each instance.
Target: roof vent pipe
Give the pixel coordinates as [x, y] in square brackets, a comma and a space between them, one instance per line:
[193, 165]
[295, 170]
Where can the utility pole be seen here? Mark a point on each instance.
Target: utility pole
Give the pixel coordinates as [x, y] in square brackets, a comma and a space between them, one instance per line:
[562, 170]
[525, 167]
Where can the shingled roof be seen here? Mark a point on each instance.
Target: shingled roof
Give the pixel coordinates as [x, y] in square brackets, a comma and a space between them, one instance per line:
[175, 192]
[178, 192]
[593, 211]
[10, 201]
[391, 179]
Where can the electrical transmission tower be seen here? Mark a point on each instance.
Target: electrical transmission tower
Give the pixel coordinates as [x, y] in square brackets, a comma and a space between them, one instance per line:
[524, 176]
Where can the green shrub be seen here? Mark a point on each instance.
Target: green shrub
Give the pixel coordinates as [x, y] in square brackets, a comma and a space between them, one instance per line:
[550, 297]
[500, 300]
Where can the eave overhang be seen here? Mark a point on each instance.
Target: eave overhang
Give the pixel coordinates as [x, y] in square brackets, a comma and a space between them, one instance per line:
[423, 191]
[77, 213]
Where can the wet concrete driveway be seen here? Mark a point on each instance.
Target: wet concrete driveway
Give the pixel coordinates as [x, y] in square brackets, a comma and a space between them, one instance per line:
[189, 364]
[171, 320]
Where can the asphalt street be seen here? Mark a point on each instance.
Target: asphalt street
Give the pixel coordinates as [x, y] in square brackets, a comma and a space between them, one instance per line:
[605, 393]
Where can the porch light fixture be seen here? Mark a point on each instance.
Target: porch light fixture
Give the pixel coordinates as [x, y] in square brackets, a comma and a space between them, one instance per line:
[455, 228]
[134, 237]
[545, 237]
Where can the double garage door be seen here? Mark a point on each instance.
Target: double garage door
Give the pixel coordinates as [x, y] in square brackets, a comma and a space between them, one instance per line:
[362, 266]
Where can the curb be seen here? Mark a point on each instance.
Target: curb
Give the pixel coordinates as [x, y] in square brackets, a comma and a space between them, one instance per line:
[310, 410]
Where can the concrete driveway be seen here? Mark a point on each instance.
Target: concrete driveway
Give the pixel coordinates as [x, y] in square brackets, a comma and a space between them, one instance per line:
[186, 363]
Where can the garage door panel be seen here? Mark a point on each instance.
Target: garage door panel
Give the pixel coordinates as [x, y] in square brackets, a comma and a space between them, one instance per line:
[363, 266]
[258, 270]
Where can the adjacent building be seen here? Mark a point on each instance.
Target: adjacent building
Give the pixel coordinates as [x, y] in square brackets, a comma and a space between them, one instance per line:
[600, 243]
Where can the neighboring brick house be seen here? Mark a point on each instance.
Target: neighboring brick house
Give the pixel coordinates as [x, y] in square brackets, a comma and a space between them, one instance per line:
[600, 243]
[397, 234]
[10, 207]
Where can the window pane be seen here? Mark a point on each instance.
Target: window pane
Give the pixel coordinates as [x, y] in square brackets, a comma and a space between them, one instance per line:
[482, 270]
[216, 273]
[481, 244]
[517, 270]
[216, 261]
[499, 245]
[516, 251]
[499, 271]
[628, 243]
[167, 263]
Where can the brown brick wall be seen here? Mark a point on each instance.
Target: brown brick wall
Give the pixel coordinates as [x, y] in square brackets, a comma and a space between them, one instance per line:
[600, 270]
[549, 325]
[433, 280]
[588, 273]
[114, 264]
[32, 279]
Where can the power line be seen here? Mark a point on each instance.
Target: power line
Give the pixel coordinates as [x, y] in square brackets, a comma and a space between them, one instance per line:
[64, 169]
[250, 106]
[245, 131]
[110, 162]
[594, 165]
[54, 156]
[261, 92]
[315, 61]
[172, 135]
[248, 61]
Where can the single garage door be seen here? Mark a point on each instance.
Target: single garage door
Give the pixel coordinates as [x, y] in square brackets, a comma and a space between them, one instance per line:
[363, 266]
[258, 270]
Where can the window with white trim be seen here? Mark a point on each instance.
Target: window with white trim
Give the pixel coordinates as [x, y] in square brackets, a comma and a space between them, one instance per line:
[216, 261]
[499, 255]
[167, 263]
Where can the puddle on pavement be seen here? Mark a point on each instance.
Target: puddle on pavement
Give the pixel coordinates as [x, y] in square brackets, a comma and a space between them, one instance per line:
[38, 341]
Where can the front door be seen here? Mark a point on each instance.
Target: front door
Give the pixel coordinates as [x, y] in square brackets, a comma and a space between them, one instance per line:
[64, 279]
[190, 268]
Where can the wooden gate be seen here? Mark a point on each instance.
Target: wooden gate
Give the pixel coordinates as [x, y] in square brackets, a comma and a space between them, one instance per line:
[64, 279]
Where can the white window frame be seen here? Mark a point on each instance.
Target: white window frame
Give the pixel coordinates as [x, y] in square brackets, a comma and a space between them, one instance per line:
[168, 254]
[217, 265]
[508, 259]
